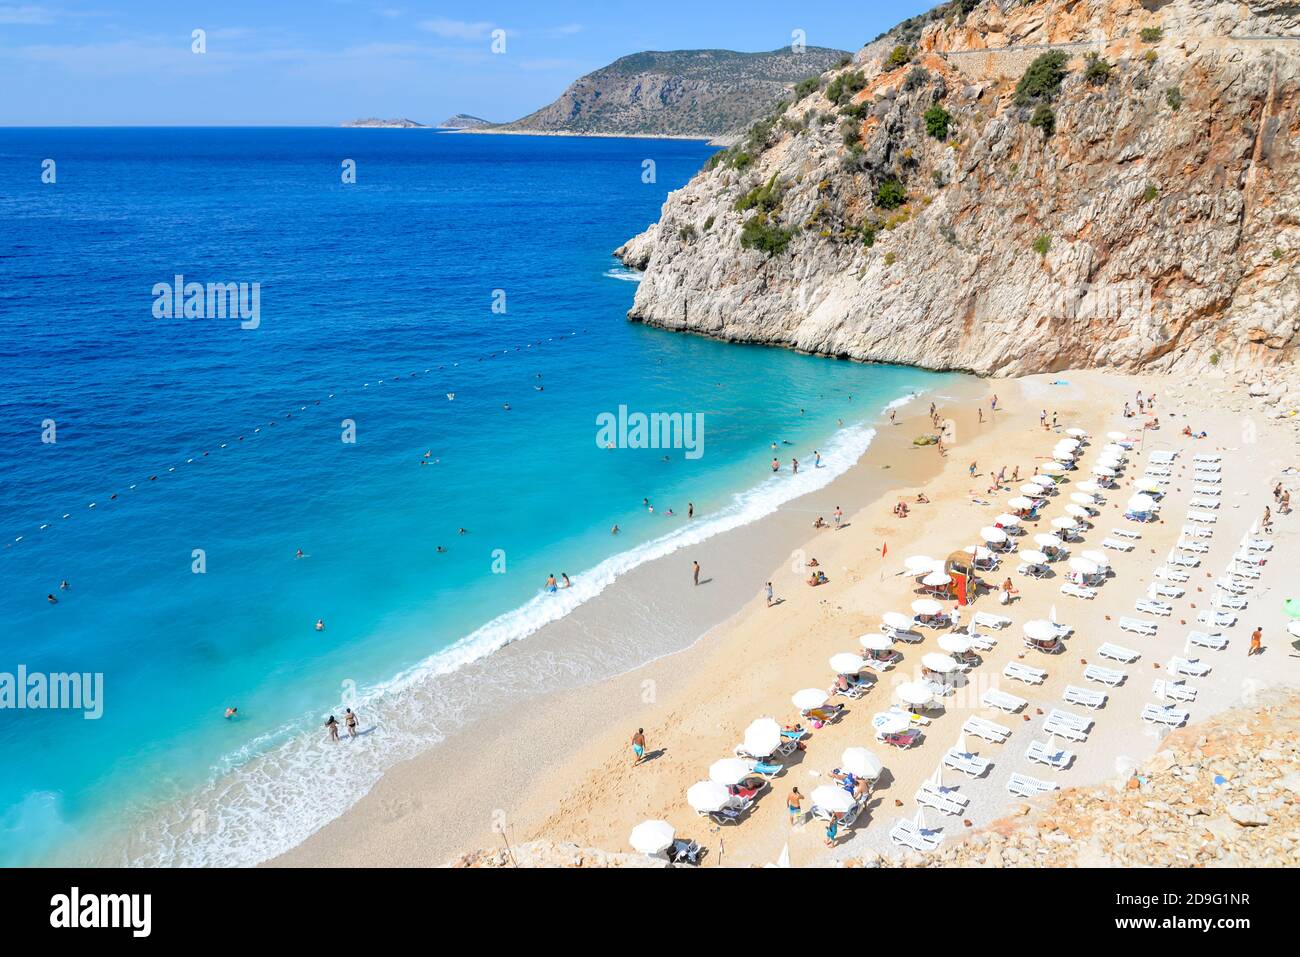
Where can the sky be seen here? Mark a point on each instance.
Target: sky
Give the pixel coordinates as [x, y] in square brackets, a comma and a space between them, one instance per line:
[291, 62]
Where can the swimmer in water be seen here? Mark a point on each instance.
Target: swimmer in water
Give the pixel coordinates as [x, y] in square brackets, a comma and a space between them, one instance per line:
[567, 583]
[231, 712]
[550, 583]
[776, 465]
[794, 464]
[320, 624]
[460, 532]
[333, 727]
[63, 585]
[298, 554]
[440, 550]
[690, 509]
[669, 512]
[614, 530]
[51, 599]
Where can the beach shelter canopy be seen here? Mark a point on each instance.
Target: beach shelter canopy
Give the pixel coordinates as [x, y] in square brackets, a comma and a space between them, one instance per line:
[729, 771]
[877, 642]
[762, 737]
[1047, 541]
[1089, 486]
[1052, 468]
[980, 553]
[1148, 486]
[913, 693]
[1046, 481]
[809, 698]
[1117, 436]
[1040, 630]
[940, 663]
[1083, 566]
[707, 796]
[652, 837]
[846, 664]
[897, 621]
[991, 534]
[1078, 511]
[1113, 449]
[954, 644]
[890, 722]
[926, 606]
[861, 762]
[1111, 461]
[832, 798]
[1034, 557]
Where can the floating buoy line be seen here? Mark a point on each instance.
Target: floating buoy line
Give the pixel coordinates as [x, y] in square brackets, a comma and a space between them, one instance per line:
[154, 476]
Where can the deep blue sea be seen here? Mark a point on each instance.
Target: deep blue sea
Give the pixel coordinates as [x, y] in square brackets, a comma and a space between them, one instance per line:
[191, 458]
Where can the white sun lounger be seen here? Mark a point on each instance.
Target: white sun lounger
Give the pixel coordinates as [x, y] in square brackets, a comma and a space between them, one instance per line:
[1118, 653]
[1055, 758]
[1126, 533]
[1182, 561]
[1158, 471]
[1084, 697]
[907, 834]
[1068, 719]
[1259, 545]
[1117, 545]
[1207, 457]
[1244, 570]
[980, 642]
[1065, 731]
[1171, 575]
[1205, 640]
[1206, 490]
[1217, 619]
[1137, 626]
[993, 698]
[1158, 479]
[1150, 606]
[1225, 600]
[1233, 586]
[986, 619]
[1207, 478]
[1206, 465]
[971, 764]
[1167, 715]
[944, 801]
[1110, 677]
[1205, 518]
[1210, 503]
[1157, 589]
[1187, 545]
[988, 730]
[1197, 531]
[1178, 690]
[1163, 456]
[1025, 786]
[1020, 672]
[1188, 667]
[1078, 591]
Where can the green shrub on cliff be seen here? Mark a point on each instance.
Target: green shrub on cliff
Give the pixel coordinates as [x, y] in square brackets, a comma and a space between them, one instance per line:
[844, 86]
[890, 194]
[764, 197]
[937, 120]
[1044, 119]
[1097, 71]
[758, 233]
[899, 56]
[1042, 81]
[1152, 34]
[806, 87]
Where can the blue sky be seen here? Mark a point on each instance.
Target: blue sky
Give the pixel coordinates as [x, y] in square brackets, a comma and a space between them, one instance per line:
[116, 62]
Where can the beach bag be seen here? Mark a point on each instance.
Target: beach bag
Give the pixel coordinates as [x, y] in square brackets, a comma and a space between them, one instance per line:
[1003, 597]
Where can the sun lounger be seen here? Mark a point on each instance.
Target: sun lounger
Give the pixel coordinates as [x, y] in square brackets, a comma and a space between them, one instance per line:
[768, 769]
[988, 730]
[980, 642]
[1078, 591]
[1126, 533]
[1203, 639]
[1207, 457]
[1020, 672]
[1207, 478]
[1244, 570]
[1187, 545]
[1205, 518]
[993, 698]
[1033, 571]
[1188, 667]
[1210, 503]
[946, 802]
[1163, 456]
[1164, 714]
[1150, 606]
[1117, 545]
[854, 691]
[1084, 697]
[1068, 719]
[1164, 591]
[1217, 619]
[1158, 479]
[1040, 752]
[987, 619]
[1118, 653]
[1177, 690]
[1110, 677]
[907, 834]
[731, 814]
[1232, 586]
[1025, 786]
[1182, 561]
[1137, 626]
[1158, 471]
[1171, 575]
[971, 764]
[1259, 545]
[1206, 490]
[1206, 465]
[1223, 599]
[1197, 531]
[902, 740]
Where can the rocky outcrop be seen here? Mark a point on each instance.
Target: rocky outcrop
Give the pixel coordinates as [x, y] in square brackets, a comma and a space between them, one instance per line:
[375, 123]
[1156, 227]
[463, 121]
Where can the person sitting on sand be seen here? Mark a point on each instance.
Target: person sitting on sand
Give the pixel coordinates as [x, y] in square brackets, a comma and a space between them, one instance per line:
[813, 563]
[820, 523]
[1008, 590]
[922, 499]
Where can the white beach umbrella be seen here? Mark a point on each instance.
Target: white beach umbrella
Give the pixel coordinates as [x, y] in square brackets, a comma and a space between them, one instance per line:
[1117, 436]
[954, 644]
[919, 820]
[926, 606]
[1047, 541]
[979, 552]
[1046, 481]
[935, 780]
[1021, 502]
[890, 722]
[861, 762]
[1007, 520]
[960, 746]
[1111, 461]
[1078, 511]
[1052, 468]
[1141, 503]
[652, 837]
[1091, 487]
[1077, 432]
[991, 534]
[832, 798]
[1040, 630]
[1031, 488]
[940, 663]
[1063, 523]
[914, 693]
[707, 796]
[846, 664]
[1083, 566]
[810, 698]
[1105, 470]
[726, 771]
[1113, 449]
[1052, 616]
[1098, 558]
[1148, 486]
[1083, 498]
[937, 579]
[918, 564]
[877, 642]
[1063, 455]
[762, 737]
[1072, 442]
[897, 621]
[1034, 557]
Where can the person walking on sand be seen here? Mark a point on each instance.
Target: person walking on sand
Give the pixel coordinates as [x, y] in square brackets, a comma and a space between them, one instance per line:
[892, 415]
[832, 830]
[695, 572]
[972, 470]
[980, 410]
[794, 804]
[638, 747]
[993, 403]
[1256, 637]
[332, 725]
[839, 516]
[350, 719]
[769, 594]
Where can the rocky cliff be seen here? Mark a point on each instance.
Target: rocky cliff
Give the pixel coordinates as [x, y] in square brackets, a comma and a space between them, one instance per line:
[705, 93]
[1009, 187]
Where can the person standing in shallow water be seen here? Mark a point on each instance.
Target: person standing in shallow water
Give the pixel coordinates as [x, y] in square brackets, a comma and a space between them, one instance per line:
[332, 725]
[350, 719]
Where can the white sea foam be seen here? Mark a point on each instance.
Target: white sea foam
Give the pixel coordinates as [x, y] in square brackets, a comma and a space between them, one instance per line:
[627, 275]
[274, 792]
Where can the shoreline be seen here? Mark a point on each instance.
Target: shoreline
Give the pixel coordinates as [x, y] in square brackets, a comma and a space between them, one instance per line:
[564, 759]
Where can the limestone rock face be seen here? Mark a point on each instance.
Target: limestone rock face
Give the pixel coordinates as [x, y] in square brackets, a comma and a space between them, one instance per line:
[1157, 228]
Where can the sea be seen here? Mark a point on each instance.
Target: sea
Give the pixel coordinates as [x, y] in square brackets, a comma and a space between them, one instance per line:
[423, 400]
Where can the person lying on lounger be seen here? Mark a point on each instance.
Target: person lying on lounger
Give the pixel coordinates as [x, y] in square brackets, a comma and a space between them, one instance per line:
[851, 782]
[827, 712]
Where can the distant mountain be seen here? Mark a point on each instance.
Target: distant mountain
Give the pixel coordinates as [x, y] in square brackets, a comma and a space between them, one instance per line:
[463, 121]
[373, 123]
[705, 93]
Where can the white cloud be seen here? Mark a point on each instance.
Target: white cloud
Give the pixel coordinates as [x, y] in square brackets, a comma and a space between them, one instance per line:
[27, 15]
[456, 29]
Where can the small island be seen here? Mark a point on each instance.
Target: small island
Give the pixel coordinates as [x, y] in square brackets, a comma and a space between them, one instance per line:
[463, 121]
[372, 123]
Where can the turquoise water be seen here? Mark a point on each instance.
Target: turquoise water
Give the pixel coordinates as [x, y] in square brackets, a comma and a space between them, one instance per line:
[375, 303]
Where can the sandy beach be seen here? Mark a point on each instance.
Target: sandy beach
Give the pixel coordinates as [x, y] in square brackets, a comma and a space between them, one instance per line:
[557, 767]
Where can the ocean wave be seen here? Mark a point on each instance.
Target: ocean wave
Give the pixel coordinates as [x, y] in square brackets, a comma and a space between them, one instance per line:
[275, 791]
[627, 275]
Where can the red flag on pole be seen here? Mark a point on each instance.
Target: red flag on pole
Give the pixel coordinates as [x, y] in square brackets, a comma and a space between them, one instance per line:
[884, 549]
